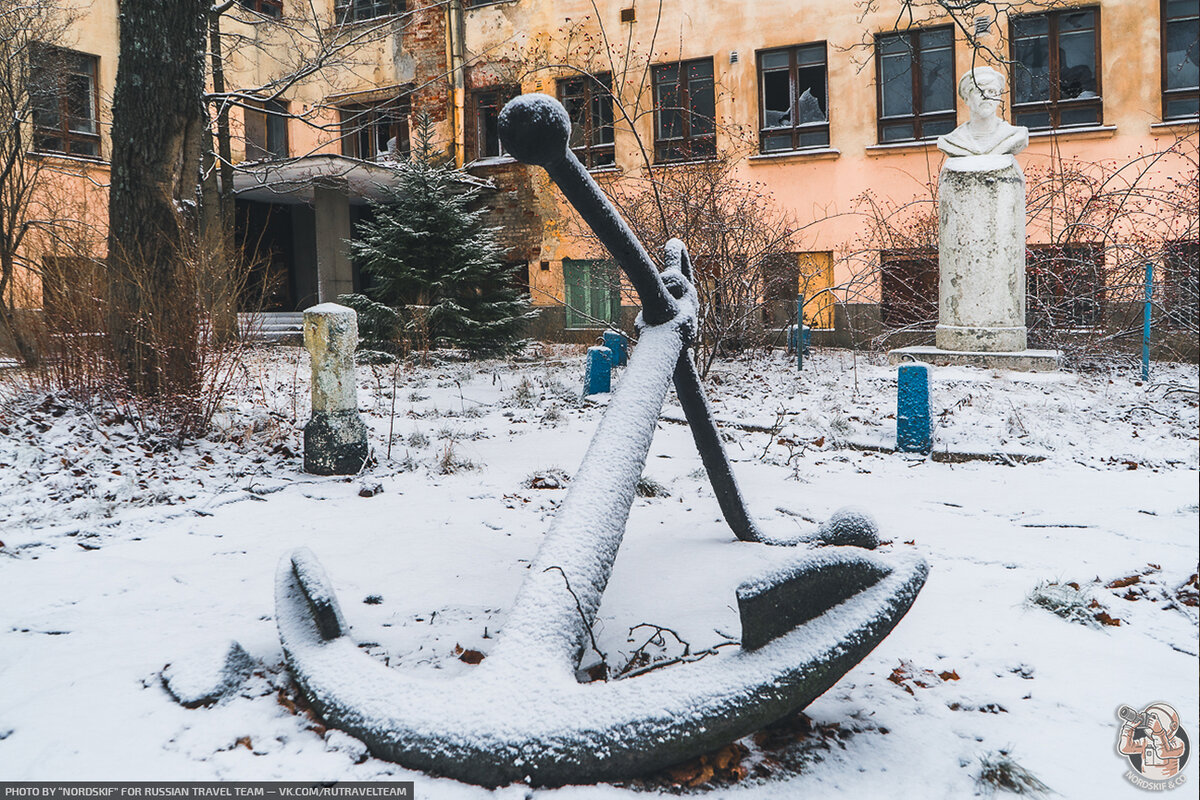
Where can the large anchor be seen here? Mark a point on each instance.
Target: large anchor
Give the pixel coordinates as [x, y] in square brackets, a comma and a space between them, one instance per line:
[522, 714]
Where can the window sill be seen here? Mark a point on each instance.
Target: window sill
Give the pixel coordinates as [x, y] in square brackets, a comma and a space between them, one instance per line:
[814, 154]
[900, 147]
[1083, 132]
[1174, 124]
[492, 161]
[485, 4]
[96, 160]
[691, 162]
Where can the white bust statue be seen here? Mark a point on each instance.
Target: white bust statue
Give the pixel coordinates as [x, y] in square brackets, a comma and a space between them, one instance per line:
[984, 133]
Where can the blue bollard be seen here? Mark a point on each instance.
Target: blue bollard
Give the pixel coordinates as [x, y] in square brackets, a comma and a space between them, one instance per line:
[914, 430]
[618, 343]
[598, 377]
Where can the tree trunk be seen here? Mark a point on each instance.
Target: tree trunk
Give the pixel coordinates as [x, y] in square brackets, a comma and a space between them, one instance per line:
[156, 135]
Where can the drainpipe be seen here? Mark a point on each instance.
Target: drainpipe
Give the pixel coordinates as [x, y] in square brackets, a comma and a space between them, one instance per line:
[456, 55]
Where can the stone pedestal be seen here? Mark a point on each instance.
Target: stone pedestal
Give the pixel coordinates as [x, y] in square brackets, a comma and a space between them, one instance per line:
[335, 439]
[981, 269]
[981, 255]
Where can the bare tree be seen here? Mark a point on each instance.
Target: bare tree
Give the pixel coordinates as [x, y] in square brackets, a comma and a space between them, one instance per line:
[29, 80]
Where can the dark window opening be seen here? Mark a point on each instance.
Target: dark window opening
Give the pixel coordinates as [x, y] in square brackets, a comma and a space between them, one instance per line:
[781, 287]
[589, 103]
[1064, 288]
[794, 98]
[684, 111]
[358, 10]
[375, 132]
[1055, 80]
[1182, 295]
[487, 104]
[65, 100]
[268, 8]
[916, 88]
[1180, 59]
[593, 293]
[266, 131]
[909, 289]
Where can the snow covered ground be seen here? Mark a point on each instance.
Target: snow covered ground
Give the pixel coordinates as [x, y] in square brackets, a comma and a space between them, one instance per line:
[118, 559]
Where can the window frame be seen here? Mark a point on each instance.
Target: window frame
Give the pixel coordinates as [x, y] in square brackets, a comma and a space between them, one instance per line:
[351, 139]
[1055, 106]
[592, 154]
[346, 12]
[796, 128]
[922, 310]
[600, 274]
[1077, 256]
[1179, 284]
[689, 147]
[267, 8]
[919, 119]
[272, 110]
[479, 138]
[60, 60]
[1185, 93]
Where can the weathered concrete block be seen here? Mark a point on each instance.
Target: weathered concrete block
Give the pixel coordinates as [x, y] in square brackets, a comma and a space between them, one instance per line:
[981, 255]
[335, 439]
[914, 429]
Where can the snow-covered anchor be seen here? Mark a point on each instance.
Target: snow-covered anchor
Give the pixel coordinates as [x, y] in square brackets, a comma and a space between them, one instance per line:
[522, 714]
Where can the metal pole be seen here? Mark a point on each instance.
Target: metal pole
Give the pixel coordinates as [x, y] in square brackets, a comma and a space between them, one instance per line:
[1146, 322]
[800, 333]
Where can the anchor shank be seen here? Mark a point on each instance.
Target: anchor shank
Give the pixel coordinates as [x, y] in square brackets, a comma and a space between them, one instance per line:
[584, 195]
[712, 452]
[547, 627]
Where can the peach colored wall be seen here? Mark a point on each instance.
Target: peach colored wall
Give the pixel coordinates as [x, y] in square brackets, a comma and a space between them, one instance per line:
[821, 187]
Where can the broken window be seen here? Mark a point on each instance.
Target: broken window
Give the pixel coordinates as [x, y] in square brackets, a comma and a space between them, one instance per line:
[358, 10]
[793, 92]
[487, 104]
[684, 111]
[374, 131]
[65, 100]
[589, 103]
[1180, 59]
[1064, 287]
[268, 8]
[915, 77]
[909, 288]
[1055, 82]
[266, 131]
[593, 293]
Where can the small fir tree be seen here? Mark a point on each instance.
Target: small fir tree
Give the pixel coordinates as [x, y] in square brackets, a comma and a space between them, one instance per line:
[426, 246]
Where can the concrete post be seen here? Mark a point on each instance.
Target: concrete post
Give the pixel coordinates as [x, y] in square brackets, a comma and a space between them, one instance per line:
[914, 429]
[335, 439]
[331, 222]
[598, 377]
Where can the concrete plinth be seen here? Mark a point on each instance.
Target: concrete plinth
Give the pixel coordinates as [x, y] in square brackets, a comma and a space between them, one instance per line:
[1018, 361]
[981, 255]
[335, 439]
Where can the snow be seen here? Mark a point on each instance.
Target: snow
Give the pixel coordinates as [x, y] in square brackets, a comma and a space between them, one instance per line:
[119, 559]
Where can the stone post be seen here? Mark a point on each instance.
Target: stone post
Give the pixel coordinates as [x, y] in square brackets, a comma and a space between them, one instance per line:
[335, 439]
[618, 343]
[981, 255]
